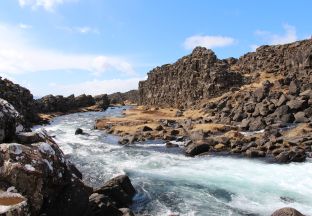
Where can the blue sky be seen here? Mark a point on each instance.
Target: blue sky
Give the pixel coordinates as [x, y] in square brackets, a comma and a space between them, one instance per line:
[103, 46]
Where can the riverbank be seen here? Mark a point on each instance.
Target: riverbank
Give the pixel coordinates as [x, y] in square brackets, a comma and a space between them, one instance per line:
[277, 143]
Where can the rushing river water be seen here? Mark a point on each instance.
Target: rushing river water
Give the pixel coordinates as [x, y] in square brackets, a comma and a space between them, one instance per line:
[168, 183]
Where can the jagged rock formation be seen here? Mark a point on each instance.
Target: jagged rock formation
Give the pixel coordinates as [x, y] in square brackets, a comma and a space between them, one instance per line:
[20, 98]
[201, 75]
[192, 78]
[11, 121]
[131, 96]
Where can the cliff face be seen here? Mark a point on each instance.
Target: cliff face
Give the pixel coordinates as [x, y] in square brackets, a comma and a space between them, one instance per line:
[194, 77]
[201, 75]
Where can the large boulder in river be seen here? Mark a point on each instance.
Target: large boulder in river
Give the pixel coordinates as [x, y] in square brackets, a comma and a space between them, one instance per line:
[287, 212]
[112, 198]
[11, 121]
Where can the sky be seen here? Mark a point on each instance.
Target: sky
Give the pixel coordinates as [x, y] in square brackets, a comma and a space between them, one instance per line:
[105, 46]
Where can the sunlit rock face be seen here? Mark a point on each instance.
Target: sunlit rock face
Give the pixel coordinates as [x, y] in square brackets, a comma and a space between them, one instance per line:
[201, 75]
[192, 78]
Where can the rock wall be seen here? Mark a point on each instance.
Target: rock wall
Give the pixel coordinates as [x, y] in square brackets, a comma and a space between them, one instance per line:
[201, 75]
[192, 78]
[131, 96]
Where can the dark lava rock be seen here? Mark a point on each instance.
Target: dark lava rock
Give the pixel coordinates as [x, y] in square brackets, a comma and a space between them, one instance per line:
[196, 148]
[146, 128]
[78, 131]
[119, 189]
[171, 145]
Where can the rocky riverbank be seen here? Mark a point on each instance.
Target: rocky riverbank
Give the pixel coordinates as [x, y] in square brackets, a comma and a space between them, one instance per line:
[37, 179]
[198, 136]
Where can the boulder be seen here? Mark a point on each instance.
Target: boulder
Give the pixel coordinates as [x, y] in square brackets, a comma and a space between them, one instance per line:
[198, 147]
[78, 131]
[119, 189]
[296, 104]
[287, 211]
[146, 128]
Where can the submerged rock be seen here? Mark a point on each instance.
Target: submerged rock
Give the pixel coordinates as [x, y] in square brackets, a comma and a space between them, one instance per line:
[78, 131]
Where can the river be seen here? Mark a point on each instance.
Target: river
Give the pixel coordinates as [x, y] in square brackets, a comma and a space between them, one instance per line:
[169, 183]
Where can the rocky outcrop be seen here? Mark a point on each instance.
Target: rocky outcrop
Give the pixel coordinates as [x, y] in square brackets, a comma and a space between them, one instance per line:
[20, 98]
[59, 103]
[201, 75]
[131, 97]
[192, 78]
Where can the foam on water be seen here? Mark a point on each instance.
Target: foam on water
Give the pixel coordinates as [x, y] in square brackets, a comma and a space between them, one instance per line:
[170, 183]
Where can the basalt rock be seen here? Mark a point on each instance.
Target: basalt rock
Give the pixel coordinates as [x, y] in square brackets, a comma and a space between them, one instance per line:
[192, 78]
[128, 97]
[20, 98]
[287, 212]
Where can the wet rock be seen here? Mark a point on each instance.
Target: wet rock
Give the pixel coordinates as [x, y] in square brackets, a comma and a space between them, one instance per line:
[171, 145]
[119, 189]
[287, 211]
[78, 131]
[291, 156]
[198, 147]
[254, 152]
[100, 204]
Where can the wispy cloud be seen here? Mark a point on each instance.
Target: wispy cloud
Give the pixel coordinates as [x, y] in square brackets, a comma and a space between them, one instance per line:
[289, 36]
[207, 41]
[24, 26]
[94, 87]
[48, 5]
[80, 29]
[18, 55]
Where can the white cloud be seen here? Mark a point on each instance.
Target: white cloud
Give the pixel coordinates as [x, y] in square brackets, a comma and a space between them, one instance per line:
[81, 29]
[207, 41]
[48, 5]
[254, 47]
[94, 87]
[18, 55]
[24, 26]
[289, 36]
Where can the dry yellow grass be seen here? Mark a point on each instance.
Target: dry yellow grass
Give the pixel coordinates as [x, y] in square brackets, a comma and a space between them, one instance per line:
[211, 127]
[301, 129]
